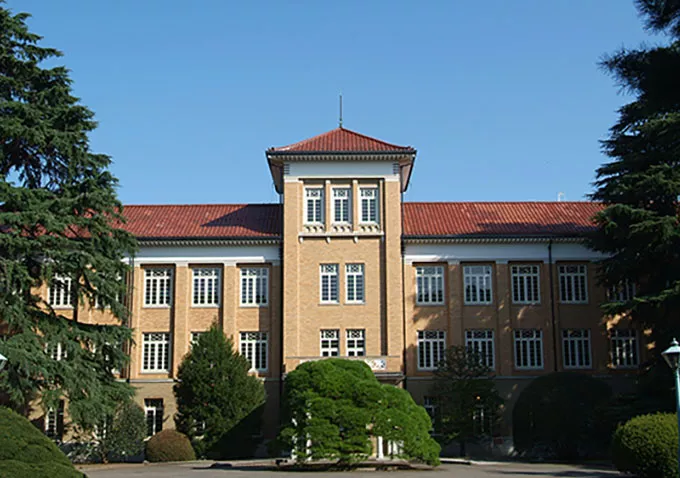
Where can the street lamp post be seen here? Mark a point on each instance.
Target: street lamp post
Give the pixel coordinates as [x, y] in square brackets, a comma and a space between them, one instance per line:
[672, 357]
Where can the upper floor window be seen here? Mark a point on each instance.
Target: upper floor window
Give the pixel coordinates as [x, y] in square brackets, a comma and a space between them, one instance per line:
[622, 292]
[206, 286]
[55, 351]
[369, 204]
[576, 348]
[431, 348]
[329, 283]
[314, 205]
[481, 342]
[254, 286]
[354, 280]
[528, 348]
[624, 348]
[525, 284]
[156, 352]
[430, 285]
[477, 284]
[330, 343]
[157, 287]
[573, 284]
[356, 342]
[341, 205]
[61, 292]
[254, 348]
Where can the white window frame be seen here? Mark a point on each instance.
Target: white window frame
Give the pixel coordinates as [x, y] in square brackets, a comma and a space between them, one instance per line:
[254, 346]
[525, 283]
[622, 292]
[329, 343]
[158, 287]
[576, 349]
[52, 420]
[477, 280]
[528, 349]
[432, 408]
[625, 351]
[329, 284]
[254, 286]
[61, 292]
[430, 285]
[195, 336]
[342, 205]
[354, 283]
[55, 351]
[156, 352]
[314, 204]
[205, 286]
[431, 348]
[573, 282]
[369, 205]
[482, 342]
[355, 342]
[153, 413]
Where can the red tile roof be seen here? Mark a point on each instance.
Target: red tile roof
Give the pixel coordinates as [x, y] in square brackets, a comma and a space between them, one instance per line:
[479, 219]
[204, 221]
[341, 140]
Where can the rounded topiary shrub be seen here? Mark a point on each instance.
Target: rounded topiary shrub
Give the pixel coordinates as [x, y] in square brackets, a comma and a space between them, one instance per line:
[559, 416]
[25, 452]
[169, 445]
[646, 446]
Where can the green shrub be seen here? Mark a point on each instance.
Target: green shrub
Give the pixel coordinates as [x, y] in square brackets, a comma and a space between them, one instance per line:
[125, 436]
[559, 416]
[646, 446]
[25, 452]
[169, 445]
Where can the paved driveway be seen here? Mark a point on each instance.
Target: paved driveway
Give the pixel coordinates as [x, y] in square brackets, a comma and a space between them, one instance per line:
[204, 470]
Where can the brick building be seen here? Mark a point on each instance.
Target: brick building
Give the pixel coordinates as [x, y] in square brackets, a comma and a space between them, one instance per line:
[343, 267]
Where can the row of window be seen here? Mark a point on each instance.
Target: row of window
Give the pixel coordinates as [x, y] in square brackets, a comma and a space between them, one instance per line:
[528, 348]
[341, 205]
[525, 285]
[329, 283]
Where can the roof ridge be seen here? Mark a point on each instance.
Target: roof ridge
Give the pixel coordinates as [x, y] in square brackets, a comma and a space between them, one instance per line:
[501, 202]
[204, 204]
[372, 138]
[327, 137]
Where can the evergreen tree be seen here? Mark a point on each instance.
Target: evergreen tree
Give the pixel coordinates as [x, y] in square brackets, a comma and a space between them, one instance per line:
[59, 216]
[466, 396]
[640, 185]
[214, 394]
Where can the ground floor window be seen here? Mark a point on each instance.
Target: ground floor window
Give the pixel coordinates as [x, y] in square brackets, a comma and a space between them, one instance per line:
[576, 348]
[54, 422]
[153, 408]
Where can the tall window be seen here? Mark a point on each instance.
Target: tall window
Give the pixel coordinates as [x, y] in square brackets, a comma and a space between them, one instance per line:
[430, 285]
[314, 205]
[525, 284]
[341, 205]
[356, 342]
[156, 352]
[573, 284]
[206, 286]
[55, 351]
[254, 348]
[329, 283]
[369, 204]
[431, 348]
[354, 281]
[624, 348]
[54, 422]
[528, 349]
[61, 292]
[432, 408]
[477, 284]
[576, 348]
[622, 292]
[330, 343]
[153, 408]
[254, 286]
[157, 287]
[481, 342]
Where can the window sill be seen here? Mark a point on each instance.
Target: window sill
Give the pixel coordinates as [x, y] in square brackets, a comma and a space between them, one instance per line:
[355, 303]
[154, 372]
[165, 306]
[526, 303]
[477, 304]
[430, 304]
[254, 306]
[62, 307]
[573, 303]
[205, 306]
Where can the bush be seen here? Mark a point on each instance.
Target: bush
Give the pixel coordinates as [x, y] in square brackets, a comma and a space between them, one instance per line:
[25, 452]
[336, 407]
[646, 446]
[558, 416]
[124, 439]
[169, 445]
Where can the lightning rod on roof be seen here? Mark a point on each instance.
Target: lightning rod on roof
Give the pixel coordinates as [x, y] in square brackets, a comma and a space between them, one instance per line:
[340, 118]
[560, 197]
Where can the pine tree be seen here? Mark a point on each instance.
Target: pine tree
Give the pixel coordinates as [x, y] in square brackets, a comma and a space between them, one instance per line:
[60, 218]
[215, 394]
[640, 186]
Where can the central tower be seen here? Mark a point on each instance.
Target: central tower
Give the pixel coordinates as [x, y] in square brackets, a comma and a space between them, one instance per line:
[342, 248]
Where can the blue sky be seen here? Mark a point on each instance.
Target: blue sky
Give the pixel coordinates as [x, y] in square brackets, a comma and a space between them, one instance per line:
[503, 99]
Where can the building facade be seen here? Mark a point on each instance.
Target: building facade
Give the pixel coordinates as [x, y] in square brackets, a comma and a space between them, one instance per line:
[343, 267]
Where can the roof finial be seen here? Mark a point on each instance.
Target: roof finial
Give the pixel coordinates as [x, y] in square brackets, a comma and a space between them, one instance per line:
[340, 119]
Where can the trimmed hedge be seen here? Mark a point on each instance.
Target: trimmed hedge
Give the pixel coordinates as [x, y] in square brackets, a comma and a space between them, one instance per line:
[560, 416]
[646, 446]
[25, 452]
[169, 445]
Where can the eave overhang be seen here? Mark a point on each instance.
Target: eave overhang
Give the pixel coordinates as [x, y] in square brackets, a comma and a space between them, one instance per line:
[491, 239]
[202, 241]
